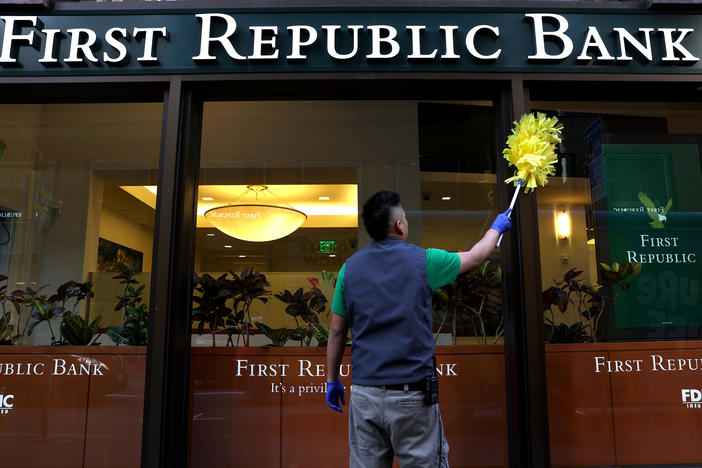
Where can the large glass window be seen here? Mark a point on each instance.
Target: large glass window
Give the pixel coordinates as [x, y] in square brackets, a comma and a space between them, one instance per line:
[77, 192]
[619, 229]
[261, 306]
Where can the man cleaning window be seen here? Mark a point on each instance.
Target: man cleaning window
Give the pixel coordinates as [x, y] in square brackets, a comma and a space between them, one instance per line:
[384, 295]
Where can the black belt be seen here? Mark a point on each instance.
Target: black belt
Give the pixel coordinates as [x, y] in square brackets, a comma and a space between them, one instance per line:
[414, 386]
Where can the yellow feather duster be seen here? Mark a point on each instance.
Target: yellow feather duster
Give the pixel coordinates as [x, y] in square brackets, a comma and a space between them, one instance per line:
[531, 149]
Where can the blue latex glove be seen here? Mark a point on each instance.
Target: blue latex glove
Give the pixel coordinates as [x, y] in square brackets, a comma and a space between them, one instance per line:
[336, 392]
[502, 223]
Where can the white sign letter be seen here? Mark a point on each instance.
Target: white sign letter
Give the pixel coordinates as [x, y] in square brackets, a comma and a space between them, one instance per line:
[298, 43]
[470, 42]
[448, 38]
[593, 39]
[259, 42]
[9, 36]
[149, 42]
[377, 39]
[625, 36]
[540, 34]
[331, 41]
[84, 47]
[416, 32]
[118, 46]
[49, 46]
[206, 32]
[671, 46]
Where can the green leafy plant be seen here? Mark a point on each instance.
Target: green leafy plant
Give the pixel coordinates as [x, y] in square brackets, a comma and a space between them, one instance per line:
[134, 329]
[224, 304]
[38, 310]
[250, 286]
[211, 307]
[306, 306]
[78, 331]
[278, 336]
[588, 300]
[60, 301]
[475, 297]
[6, 327]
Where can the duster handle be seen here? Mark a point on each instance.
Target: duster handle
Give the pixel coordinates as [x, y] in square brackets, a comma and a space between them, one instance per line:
[511, 205]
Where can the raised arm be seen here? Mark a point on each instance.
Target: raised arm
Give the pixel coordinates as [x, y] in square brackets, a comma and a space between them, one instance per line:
[481, 250]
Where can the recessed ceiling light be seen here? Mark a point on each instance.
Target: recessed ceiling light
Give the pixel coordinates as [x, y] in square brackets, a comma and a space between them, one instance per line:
[207, 198]
[242, 256]
[210, 234]
[227, 246]
[324, 198]
[445, 198]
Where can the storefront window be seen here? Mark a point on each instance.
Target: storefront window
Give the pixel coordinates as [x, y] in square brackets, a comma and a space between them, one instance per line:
[261, 306]
[619, 229]
[75, 260]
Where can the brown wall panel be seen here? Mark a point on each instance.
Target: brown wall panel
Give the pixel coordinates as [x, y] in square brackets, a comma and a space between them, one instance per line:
[650, 422]
[115, 412]
[52, 410]
[313, 436]
[579, 410]
[46, 425]
[295, 428]
[473, 407]
[235, 419]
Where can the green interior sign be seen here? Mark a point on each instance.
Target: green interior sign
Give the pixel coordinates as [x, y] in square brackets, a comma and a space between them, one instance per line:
[654, 217]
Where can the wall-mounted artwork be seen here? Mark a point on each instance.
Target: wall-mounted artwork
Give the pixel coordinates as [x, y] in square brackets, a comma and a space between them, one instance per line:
[110, 254]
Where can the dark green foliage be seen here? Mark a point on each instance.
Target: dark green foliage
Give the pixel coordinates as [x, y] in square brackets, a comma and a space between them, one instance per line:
[588, 299]
[223, 304]
[562, 333]
[6, 328]
[78, 331]
[473, 301]
[39, 308]
[278, 336]
[134, 329]
[306, 305]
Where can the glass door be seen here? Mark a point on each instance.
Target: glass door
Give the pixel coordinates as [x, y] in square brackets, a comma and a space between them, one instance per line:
[619, 229]
[261, 306]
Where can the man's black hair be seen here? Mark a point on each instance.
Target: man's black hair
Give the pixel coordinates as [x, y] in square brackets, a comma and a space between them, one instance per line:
[376, 213]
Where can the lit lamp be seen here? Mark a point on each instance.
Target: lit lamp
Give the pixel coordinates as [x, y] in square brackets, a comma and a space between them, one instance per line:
[563, 225]
[258, 216]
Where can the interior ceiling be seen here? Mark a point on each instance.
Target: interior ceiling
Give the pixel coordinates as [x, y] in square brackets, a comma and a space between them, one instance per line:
[326, 205]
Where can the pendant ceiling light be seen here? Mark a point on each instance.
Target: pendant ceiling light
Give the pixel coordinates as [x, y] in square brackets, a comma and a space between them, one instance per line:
[257, 216]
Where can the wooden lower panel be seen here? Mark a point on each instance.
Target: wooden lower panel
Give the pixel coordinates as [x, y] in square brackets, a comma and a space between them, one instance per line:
[652, 424]
[579, 411]
[116, 413]
[46, 425]
[235, 418]
[288, 423]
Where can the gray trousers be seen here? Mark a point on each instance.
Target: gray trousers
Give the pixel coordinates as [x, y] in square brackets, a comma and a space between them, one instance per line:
[387, 423]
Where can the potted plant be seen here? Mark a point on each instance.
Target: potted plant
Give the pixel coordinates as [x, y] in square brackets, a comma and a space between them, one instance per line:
[212, 296]
[6, 327]
[211, 307]
[306, 305]
[134, 327]
[475, 298]
[588, 300]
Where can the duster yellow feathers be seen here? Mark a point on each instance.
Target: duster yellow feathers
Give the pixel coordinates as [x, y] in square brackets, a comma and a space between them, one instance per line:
[531, 149]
